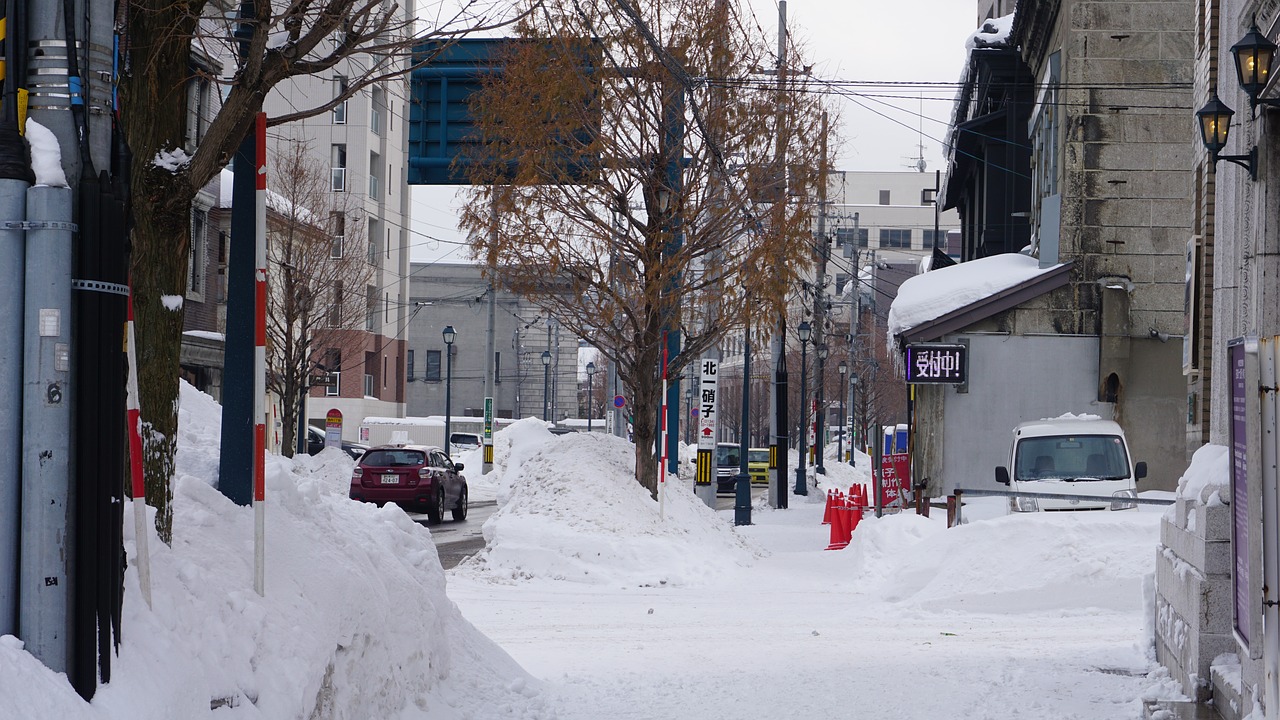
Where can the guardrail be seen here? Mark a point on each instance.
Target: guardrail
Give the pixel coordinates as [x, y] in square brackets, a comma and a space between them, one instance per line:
[954, 500]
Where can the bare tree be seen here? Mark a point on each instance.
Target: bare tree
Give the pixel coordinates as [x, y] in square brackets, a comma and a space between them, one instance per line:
[638, 255]
[314, 302]
[284, 40]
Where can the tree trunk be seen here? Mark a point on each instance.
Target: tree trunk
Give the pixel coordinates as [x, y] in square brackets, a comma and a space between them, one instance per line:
[161, 240]
[644, 431]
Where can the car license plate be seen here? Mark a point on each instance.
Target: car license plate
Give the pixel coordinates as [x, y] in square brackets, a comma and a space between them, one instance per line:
[390, 479]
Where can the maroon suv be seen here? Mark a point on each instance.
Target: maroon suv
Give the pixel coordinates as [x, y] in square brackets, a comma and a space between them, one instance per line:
[418, 478]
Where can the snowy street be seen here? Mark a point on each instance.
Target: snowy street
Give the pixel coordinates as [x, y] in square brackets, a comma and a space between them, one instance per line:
[590, 600]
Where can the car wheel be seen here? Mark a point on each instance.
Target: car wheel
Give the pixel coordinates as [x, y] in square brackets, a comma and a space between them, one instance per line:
[435, 511]
[460, 510]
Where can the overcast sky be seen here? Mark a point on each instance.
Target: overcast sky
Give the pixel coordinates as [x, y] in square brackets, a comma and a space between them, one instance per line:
[854, 47]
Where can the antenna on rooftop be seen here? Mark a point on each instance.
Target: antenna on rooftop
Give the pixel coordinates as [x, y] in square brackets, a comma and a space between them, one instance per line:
[919, 163]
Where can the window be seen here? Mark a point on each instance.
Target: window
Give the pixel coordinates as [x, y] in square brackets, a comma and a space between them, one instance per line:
[339, 110]
[333, 365]
[337, 226]
[409, 365]
[935, 239]
[338, 163]
[335, 312]
[386, 307]
[432, 369]
[847, 235]
[927, 196]
[370, 374]
[371, 308]
[372, 255]
[375, 175]
[497, 368]
[1044, 128]
[198, 256]
[884, 197]
[199, 99]
[377, 110]
[895, 238]
[841, 280]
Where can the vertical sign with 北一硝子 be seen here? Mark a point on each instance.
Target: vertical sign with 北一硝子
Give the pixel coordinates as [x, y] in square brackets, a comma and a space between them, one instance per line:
[706, 393]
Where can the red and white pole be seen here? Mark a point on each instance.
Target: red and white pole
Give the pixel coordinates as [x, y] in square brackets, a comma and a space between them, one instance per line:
[260, 358]
[662, 454]
[134, 418]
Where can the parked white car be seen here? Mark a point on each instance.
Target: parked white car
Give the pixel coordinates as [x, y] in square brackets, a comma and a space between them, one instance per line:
[1081, 455]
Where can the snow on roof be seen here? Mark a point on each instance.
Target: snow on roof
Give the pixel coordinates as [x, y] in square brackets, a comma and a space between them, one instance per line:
[993, 33]
[930, 296]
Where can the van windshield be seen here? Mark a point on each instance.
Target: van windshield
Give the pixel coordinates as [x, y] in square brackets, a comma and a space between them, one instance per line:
[727, 456]
[1071, 457]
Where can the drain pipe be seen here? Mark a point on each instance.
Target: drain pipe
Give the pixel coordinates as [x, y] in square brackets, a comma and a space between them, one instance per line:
[13, 206]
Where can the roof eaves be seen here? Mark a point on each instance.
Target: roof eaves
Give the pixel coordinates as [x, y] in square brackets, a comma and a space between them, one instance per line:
[986, 307]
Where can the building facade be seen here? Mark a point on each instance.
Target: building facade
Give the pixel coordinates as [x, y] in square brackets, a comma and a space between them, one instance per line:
[361, 142]
[450, 295]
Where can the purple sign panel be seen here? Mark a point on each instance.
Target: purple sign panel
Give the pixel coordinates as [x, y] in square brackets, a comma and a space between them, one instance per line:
[1239, 491]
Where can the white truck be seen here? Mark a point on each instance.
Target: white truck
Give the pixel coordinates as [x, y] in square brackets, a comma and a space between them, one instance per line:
[1080, 455]
[408, 430]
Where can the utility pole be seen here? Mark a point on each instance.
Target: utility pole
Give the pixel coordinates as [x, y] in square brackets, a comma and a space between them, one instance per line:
[820, 302]
[486, 466]
[778, 492]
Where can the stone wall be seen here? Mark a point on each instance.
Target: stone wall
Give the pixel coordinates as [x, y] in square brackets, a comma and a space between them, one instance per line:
[1193, 591]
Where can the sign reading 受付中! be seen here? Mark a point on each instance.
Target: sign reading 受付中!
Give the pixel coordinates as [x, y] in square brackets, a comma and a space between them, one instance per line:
[937, 363]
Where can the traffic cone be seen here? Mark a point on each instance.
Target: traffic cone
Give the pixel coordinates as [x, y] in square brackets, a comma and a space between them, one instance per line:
[855, 516]
[826, 512]
[837, 533]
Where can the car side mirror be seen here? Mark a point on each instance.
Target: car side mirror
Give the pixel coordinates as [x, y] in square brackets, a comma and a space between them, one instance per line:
[1139, 471]
[457, 467]
[1002, 475]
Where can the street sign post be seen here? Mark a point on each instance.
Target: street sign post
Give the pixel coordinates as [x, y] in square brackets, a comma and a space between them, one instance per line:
[488, 431]
[708, 388]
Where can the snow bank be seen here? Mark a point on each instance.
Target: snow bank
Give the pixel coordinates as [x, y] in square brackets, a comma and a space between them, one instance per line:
[589, 521]
[355, 621]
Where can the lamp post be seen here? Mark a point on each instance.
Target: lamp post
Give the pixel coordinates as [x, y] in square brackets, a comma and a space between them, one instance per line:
[688, 404]
[1253, 56]
[842, 368]
[802, 483]
[820, 411]
[853, 412]
[591, 373]
[449, 336]
[546, 385]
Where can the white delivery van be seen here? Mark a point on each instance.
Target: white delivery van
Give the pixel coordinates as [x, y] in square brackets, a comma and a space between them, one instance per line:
[406, 430]
[1071, 455]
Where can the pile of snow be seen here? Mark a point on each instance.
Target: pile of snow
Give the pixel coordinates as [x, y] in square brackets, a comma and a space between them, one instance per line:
[354, 623]
[571, 509]
[1210, 471]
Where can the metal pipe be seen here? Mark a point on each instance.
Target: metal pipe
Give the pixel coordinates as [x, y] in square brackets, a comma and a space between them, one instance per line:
[13, 211]
[1267, 348]
[44, 619]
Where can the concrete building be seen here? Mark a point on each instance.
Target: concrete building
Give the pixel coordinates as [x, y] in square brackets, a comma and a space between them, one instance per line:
[1090, 175]
[1218, 630]
[362, 144]
[441, 295]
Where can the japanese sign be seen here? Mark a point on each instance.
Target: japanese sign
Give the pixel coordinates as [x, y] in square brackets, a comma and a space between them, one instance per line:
[937, 363]
[895, 477]
[333, 428]
[707, 390]
[1236, 369]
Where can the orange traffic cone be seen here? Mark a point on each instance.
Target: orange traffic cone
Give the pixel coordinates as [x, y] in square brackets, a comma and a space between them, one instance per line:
[855, 516]
[837, 531]
[826, 512]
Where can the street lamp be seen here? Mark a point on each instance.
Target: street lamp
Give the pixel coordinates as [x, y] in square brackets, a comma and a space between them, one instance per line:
[591, 373]
[449, 336]
[546, 385]
[803, 332]
[1253, 56]
[853, 411]
[842, 368]
[819, 435]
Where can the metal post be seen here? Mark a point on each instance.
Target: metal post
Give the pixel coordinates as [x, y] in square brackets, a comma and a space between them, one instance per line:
[260, 354]
[742, 483]
[778, 430]
[853, 413]
[44, 587]
[844, 423]
[1267, 350]
[490, 346]
[820, 412]
[13, 209]
[546, 384]
[449, 336]
[591, 375]
[802, 482]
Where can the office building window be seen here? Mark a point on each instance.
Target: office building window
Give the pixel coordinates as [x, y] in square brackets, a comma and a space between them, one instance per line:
[338, 227]
[409, 365]
[431, 371]
[497, 368]
[895, 238]
[338, 163]
[884, 197]
[339, 110]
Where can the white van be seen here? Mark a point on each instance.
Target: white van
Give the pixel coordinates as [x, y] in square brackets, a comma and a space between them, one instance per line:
[1071, 455]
